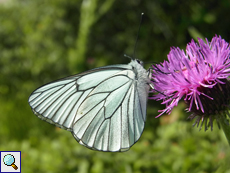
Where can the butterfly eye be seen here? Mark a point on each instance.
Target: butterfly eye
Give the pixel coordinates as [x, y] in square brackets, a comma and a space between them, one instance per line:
[139, 62]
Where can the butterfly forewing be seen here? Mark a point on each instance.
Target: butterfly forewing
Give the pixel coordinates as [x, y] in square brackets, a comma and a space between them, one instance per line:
[104, 108]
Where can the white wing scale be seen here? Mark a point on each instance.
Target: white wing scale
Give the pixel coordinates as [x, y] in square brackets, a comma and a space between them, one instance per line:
[104, 108]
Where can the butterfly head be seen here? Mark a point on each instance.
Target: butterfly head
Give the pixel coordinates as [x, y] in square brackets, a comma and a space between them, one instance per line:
[139, 62]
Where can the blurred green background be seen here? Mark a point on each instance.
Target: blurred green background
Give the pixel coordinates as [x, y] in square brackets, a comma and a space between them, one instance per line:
[41, 41]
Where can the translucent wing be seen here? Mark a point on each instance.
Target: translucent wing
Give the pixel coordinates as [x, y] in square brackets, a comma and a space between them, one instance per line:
[104, 108]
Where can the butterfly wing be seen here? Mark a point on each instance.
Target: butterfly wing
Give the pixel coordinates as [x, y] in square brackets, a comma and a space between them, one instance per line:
[104, 108]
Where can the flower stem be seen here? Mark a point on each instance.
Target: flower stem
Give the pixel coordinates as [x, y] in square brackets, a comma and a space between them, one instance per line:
[222, 120]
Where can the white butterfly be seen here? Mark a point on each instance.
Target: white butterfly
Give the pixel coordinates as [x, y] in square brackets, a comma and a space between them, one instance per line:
[104, 108]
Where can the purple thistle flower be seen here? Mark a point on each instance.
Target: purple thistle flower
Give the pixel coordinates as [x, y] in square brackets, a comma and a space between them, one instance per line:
[200, 76]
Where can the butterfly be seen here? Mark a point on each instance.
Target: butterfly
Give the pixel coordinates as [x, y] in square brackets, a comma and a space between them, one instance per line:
[104, 108]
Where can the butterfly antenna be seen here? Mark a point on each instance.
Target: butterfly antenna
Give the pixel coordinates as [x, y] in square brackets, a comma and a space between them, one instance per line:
[134, 51]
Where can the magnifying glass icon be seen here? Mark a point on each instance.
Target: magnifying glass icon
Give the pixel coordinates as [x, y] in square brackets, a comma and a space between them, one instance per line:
[9, 160]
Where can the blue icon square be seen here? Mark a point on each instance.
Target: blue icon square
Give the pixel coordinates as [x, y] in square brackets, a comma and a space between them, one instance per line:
[10, 161]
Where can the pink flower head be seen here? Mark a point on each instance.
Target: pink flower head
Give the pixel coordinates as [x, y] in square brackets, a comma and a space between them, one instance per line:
[200, 76]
